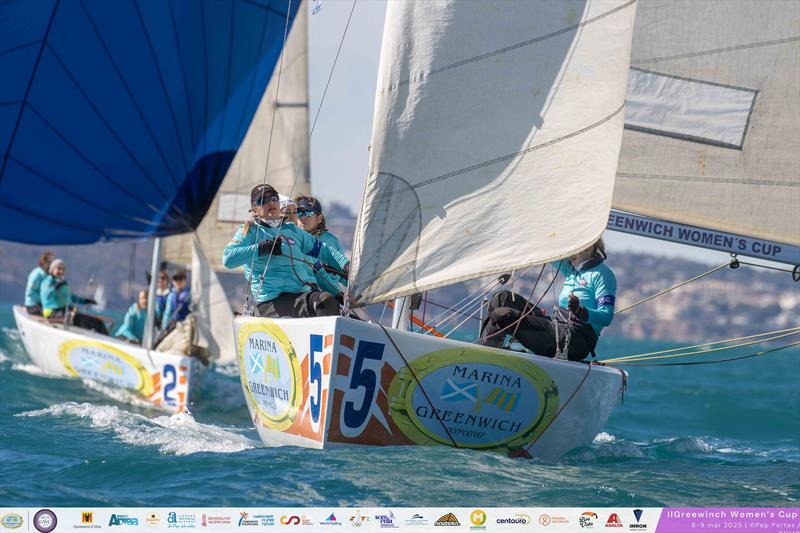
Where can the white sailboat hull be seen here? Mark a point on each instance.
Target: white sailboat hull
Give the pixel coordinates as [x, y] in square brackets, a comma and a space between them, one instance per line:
[334, 381]
[163, 380]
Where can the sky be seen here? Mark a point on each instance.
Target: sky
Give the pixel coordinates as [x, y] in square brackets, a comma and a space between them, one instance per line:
[339, 156]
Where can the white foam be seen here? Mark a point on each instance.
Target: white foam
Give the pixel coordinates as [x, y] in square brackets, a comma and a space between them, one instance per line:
[177, 434]
[32, 369]
[3, 357]
[604, 438]
[227, 369]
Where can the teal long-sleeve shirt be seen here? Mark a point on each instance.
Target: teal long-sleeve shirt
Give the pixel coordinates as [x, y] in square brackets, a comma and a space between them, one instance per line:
[33, 288]
[287, 272]
[326, 279]
[132, 327]
[596, 287]
[57, 294]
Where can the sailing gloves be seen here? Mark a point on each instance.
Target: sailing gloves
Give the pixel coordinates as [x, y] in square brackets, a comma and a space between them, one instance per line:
[577, 309]
[270, 247]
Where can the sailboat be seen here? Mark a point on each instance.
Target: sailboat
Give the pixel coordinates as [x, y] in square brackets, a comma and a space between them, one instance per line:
[495, 142]
[120, 121]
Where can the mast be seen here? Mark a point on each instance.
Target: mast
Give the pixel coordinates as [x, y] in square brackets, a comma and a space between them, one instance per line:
[151, 296]
[402, 310]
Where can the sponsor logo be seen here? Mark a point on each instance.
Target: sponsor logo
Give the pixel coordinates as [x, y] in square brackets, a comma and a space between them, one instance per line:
[546, 519]
[639, 525]
[448, 519]
[271, 373]
[45, 521]
[488, 400]
[290, 520]
[245, 520]
[517, 519]
[387, 521]
[122, 520]
[181, 520]
[105, 363]
[331, 521]
[87, 521]
[417, 520]
[587, 519]
[152, 520]
[358, 519]
[613, 520]
[11, 521]
[478, 518]
[264, 519]
[216, 520]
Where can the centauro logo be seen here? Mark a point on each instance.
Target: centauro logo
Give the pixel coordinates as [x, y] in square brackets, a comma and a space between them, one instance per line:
[271, 374]
[105, 363]
[486, 400]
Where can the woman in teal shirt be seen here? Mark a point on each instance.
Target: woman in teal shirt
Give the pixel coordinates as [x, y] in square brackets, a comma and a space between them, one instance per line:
[275, 255]
[587, 306]
[132, 327]
[309, 214]
[33, 297]
[58, 300]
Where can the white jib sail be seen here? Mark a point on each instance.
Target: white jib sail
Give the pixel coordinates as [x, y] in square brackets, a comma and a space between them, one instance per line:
[288, 153]
[495, 140]
[212, 311]
[712, 133]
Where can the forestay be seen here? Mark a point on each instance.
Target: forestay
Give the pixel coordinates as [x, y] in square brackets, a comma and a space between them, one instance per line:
[713, 123]
[120, 119]
[278, 134]
[496, 134]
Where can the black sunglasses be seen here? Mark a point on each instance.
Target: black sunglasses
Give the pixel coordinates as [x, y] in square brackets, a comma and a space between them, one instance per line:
[261, 200]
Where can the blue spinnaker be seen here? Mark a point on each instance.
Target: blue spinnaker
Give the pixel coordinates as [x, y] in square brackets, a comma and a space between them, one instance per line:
[120, 119]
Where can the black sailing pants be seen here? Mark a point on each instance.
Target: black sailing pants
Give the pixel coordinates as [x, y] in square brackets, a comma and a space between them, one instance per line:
[299, 305]
[536, 332]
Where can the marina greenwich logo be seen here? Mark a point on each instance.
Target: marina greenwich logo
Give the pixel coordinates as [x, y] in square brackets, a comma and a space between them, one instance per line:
[11, 521]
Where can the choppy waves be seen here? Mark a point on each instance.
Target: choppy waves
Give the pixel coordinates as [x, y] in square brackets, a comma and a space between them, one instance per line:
[178, 434]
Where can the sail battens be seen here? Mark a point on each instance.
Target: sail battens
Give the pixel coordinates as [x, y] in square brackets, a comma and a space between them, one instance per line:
[506, 160]
[644, 61]
[711, 138]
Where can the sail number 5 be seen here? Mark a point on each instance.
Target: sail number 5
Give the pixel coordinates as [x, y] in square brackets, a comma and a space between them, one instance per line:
[363, 377]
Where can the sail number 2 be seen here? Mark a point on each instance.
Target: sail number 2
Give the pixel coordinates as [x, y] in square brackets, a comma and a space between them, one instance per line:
[363, 377]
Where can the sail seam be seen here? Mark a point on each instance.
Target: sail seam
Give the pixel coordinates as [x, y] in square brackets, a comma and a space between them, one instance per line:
[163, 87]
[28, 90]
[19, 47]
[59, 222]
[535, 40]
[732, 181]
[183, 74]
[130, 93]
[513, 155]
[716, 50]
[106, 124]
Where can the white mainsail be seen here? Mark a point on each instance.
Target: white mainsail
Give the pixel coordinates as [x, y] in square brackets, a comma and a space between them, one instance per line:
[712, 134]
[495, 140]
[288, 153]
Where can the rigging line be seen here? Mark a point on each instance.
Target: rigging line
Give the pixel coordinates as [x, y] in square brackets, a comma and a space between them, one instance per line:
[522, 44]
[535, 283]
[561, 408]
[163, 87]
[316, 116]
[737, 339]
[708, 272]
[697, 352]
[715, 50]
[464, 309]
[28, 90]
[19, 47]
[458, 308]
[276, 239]
[111, 130]
[183, 73]
[526, 313]
[129, 91]
[416, 379]
[737, 358]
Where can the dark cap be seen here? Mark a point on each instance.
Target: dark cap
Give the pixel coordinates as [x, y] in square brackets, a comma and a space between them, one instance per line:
[308, 203]
[260, 192]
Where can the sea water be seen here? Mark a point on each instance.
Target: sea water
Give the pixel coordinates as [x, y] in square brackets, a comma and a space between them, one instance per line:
[715, 435]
